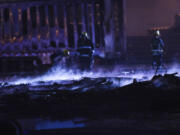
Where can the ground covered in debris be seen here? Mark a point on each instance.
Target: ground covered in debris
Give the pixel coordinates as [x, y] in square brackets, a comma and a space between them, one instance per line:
[94, 95]
[153, 102]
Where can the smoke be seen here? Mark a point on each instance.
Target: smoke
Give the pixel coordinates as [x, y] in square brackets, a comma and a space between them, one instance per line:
[59, 74]
[109, 42]
[174, 68]
[119, 76]
[54, 74]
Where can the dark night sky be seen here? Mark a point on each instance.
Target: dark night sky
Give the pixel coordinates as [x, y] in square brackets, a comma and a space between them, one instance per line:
[144, 14]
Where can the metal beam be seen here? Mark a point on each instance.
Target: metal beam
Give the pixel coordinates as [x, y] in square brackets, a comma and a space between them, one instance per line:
[93, 23]
[75, 25]
[65, 26]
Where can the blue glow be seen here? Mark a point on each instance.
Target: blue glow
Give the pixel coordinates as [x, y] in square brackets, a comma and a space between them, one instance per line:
[46, 124]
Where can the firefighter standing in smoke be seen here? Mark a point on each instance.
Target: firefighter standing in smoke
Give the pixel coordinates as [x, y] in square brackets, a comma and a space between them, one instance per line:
[157, 46]
[85, 50]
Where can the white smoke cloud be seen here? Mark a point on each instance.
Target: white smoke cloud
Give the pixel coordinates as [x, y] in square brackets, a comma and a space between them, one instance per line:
[125, 74]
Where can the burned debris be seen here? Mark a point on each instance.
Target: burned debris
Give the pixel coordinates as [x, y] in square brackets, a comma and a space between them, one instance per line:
[158, 94]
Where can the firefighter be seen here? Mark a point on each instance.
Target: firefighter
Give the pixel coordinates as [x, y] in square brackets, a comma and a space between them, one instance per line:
[157, 47]
[85, 52]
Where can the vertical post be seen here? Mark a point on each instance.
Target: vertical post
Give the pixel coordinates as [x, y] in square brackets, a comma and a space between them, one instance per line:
[20, 24]
[38, 34]
[102, 25]
[75, 26]
[38, 31]
[83, 16]
[56, 25]
[117, 31]
[56, 20]
[97, 24]
[109, 26]
[16, 22]
[2, 27]
[65, 26]
[29, 28]
[0, 24]
[120, 25]
[11, 25]
[86, 16]
[93, 23]
[20, 35]
[61, 25]
[29, 24]
[47, 29]
[47, 22]
[124, 26]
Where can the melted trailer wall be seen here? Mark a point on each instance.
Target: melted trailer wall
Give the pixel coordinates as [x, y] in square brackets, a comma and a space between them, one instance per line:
[35, 30]
[48, 26]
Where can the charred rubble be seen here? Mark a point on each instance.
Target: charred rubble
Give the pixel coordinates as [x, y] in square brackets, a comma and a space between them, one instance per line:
[92, 97]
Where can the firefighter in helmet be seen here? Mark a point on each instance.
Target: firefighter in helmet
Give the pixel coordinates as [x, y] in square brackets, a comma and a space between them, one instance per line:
[85, 52]
[157, 47]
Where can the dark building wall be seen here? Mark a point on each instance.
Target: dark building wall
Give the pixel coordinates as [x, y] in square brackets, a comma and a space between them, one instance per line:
[144, 14]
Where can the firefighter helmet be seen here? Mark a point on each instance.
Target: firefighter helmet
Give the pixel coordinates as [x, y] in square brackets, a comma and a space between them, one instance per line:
[66, 53]
[84, 34]
[157, 33]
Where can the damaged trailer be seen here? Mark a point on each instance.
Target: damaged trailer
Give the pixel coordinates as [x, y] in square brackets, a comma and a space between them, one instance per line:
[32, 31]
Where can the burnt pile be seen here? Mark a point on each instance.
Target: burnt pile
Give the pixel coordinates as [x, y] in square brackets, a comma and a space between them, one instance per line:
[92, 96]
